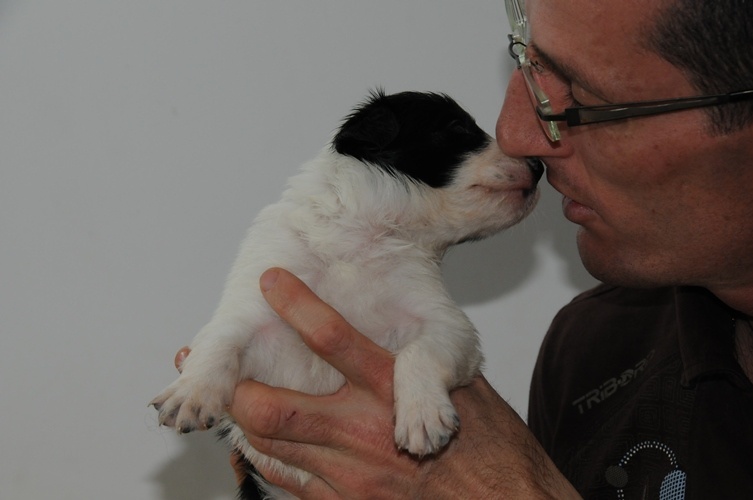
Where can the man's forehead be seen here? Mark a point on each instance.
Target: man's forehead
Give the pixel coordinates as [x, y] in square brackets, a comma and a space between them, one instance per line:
[591, 41]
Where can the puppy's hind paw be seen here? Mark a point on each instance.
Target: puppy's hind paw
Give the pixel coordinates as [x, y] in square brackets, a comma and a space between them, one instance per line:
[190, 407]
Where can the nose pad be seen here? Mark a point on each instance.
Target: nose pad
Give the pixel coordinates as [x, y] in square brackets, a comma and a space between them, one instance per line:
[536, 166]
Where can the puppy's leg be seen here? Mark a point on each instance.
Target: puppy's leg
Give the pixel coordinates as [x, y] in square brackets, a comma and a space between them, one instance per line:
[218, 360]
[203, 391]
[445, 355]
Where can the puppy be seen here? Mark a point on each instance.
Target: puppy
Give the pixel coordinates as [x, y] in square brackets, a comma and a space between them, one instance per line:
[365, 225]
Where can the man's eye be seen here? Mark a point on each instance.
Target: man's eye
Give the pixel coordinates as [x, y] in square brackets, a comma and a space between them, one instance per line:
[570, 99]
[537, 66]
[557, 85]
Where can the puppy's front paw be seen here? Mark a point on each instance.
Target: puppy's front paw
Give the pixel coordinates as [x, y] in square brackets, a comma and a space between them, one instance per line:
[425, 422]
[189, 404]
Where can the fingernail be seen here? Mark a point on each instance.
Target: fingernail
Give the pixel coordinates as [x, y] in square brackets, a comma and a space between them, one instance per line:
[179, 360]
[268, 279]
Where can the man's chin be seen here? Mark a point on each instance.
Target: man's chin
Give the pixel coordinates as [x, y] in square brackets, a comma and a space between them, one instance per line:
[614, 268]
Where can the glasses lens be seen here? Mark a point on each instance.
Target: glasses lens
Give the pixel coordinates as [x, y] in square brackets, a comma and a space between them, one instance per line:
[541, 103]
[518, 40]
[516, 16]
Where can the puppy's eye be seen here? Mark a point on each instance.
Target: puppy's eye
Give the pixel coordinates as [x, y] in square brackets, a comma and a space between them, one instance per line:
[458, 126]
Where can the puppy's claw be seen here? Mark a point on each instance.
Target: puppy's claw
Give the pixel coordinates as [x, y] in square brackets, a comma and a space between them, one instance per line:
[156, 402]
[443, 440]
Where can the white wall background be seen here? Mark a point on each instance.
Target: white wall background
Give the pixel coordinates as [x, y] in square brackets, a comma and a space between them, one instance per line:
[137, 141]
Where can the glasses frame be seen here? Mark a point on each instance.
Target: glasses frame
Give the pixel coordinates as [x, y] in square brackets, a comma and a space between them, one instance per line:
[586, 115]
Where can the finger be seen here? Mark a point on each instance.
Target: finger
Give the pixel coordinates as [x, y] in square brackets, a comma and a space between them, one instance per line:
[325, 331]
[273, 413]
[180, 357]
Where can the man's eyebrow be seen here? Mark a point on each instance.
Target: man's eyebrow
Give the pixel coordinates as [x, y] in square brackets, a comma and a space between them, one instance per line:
[551, 64]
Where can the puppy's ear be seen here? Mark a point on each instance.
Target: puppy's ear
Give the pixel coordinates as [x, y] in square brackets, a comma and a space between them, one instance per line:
[367, 132]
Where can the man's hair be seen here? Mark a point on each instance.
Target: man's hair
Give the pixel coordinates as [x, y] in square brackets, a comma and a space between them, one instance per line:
[712, 42]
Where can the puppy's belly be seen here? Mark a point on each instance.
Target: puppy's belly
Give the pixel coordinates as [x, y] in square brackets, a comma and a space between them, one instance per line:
[369, 295]
[278, 357]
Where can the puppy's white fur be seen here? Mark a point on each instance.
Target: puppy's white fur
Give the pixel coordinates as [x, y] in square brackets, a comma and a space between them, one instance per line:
[370, 244]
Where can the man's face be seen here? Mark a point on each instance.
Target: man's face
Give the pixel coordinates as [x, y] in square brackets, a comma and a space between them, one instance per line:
[659, 200]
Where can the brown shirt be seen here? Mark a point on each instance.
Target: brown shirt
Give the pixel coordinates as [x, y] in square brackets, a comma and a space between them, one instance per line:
[638, 394]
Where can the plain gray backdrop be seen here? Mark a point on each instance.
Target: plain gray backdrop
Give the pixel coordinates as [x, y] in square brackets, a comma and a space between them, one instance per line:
[138, 139]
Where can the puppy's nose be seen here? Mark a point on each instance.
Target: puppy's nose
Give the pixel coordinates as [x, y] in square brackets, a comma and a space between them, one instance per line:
[537, 168]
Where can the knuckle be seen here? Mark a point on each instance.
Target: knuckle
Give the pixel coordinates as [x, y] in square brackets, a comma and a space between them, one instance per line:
[332, 338]
[259, 413]
[266, 418]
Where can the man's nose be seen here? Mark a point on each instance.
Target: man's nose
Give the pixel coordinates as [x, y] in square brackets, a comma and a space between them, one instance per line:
[519, 133]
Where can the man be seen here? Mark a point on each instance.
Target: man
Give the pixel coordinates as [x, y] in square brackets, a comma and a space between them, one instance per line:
[628, 373]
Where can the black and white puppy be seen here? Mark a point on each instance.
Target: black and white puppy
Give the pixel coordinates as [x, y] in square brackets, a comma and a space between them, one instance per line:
[365, 225]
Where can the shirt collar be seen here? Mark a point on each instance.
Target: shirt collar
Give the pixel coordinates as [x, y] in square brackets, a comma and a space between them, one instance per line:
[706, 338]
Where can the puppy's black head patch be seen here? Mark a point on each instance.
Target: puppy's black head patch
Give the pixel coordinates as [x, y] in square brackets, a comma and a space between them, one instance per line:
[425, 136]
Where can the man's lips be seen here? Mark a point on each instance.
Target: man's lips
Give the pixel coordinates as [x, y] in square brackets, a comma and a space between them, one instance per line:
[574, 211]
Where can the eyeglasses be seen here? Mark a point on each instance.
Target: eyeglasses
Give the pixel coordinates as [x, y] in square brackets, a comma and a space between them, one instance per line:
[586, 115]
